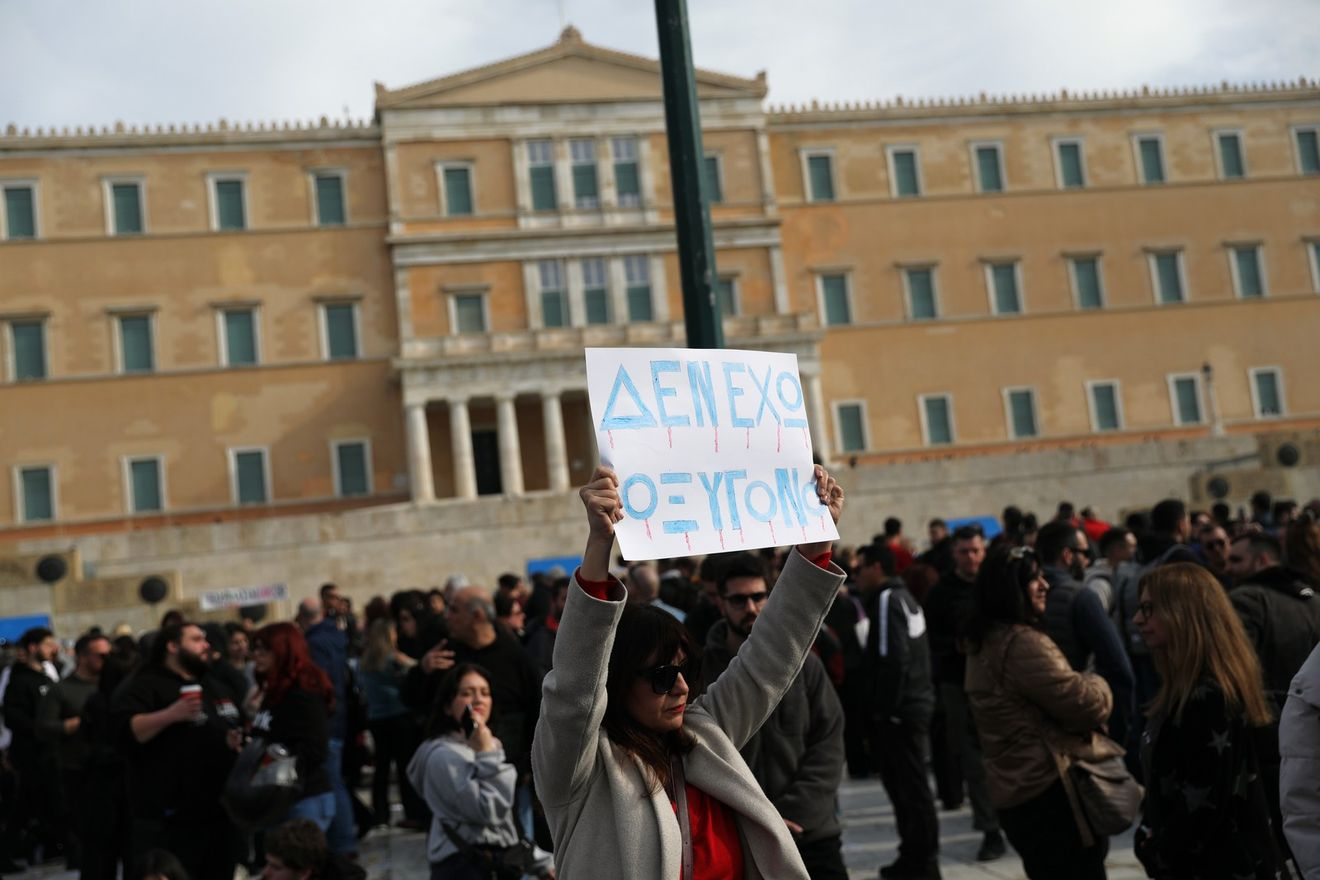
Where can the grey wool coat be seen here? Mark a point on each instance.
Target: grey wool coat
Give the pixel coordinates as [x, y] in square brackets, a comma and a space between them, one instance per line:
[604, 821]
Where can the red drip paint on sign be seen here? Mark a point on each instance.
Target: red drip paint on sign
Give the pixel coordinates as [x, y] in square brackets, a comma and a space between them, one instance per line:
[689, 541]
[741, 537]
[611, 436]
[670, 431]
[779, 438]
[749, 438]
[721, 539]
[647, 522]
[772, 533]
[717, 439]
[806, 438]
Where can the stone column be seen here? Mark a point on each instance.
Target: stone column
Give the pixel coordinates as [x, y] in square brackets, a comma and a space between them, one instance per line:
[419, 454]
[460, 435]
[556, 450]
[816, 408]
[511, 473]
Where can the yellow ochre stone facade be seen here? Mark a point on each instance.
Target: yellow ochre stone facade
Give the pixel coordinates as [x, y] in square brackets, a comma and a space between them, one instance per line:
[238, 322]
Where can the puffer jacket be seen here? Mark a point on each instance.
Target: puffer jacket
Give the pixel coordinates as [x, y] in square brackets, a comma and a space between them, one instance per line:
[1299, 777]
[1030, 706]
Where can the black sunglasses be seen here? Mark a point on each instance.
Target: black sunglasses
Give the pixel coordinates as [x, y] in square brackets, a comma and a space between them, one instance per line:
[740, 599]
[663, 678]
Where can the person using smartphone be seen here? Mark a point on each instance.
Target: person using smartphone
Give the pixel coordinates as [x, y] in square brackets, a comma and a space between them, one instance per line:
[462, 772]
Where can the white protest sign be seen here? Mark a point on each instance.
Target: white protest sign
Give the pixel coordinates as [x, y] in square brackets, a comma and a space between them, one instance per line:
[711, 447]
[214, 600]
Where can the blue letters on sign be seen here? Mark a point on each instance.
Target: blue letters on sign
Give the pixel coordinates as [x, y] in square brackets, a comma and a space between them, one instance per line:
[734, 392]
[612, 422]
[661, 392]
[703, 391]
[625, 492]
[795, 403]
[764, 388]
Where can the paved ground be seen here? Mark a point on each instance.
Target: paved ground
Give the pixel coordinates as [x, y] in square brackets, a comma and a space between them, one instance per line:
[868, 842]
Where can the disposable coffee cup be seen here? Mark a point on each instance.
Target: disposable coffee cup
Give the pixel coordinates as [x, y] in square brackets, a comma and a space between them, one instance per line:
[193, 694]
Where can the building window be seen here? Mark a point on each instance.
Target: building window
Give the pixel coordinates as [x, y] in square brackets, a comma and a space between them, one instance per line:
[124, 207]
[238, 333]
[145, 485]
[136, 353]
[1267, 392]
[1313, 248]
[637, 276]
[250, 475]
[1069, 165]
[456, 190]
[1005, 288]
[20, 217]
[352, 467]
[541, 169]
[586, 192]
[27, 349]
[341, 331]
[554, 298]
[1106, 406]
[904, 172]
[228, 202]
[936, 419]
[1166, 272]
[726, 297]
[469, 312]
[820, 175]
[836, 307]
[1020, 412]
[1185, 398]
[1248, 275]
[850, 422]
[1308, 150]
[627, 172]
[714, 179]
[1150, 158]
[989, 167]
[1232, 163]
[1087, 290]
[919, 285]
[595, 291]
[330, 203]
[36, 493]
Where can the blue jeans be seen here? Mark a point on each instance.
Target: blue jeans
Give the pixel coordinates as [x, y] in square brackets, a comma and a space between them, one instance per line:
[320, 808]
[341, 836]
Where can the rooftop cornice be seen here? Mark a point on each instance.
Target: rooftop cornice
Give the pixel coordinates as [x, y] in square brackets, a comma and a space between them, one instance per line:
[220, 133]
[1062, 101]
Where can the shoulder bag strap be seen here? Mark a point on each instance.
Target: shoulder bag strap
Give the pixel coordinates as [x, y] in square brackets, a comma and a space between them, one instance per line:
[684, 821]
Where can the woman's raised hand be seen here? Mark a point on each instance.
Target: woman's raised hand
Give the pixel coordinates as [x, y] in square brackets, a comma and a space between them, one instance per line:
[601, 499]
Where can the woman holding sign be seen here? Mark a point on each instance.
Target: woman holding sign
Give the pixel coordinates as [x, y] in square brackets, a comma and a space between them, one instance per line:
[639, 776]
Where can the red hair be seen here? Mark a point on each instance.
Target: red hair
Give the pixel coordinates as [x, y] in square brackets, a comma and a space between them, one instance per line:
[292, 665]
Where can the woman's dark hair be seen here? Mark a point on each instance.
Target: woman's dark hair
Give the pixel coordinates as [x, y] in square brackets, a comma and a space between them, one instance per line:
[292, 665]
[646, 636]
[160, 863]
[1000, 596]
[441, 722]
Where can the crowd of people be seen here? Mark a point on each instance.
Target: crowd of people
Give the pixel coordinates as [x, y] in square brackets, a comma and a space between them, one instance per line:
[695, 717]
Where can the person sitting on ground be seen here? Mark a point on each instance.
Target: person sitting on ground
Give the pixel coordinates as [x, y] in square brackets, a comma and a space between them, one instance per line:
[297, 850]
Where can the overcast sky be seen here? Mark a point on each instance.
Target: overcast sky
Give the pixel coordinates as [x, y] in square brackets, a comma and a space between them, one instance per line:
[72, 62]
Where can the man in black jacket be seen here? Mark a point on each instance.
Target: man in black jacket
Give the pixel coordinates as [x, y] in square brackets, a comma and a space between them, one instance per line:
[40, 806]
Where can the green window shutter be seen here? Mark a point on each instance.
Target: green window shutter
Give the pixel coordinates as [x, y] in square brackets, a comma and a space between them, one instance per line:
[341, 332]
[585, 192]
[144, 479]
[1230, 157]
[250, 474]
[553, 312]
[1007, 300]
[939, 421]
[29, 338]
[724, 298]
[458, 192]
[1268, 398]
[330, 200]
[921, 294]
[640, 307]
[1070, 166]
[229, 204]
[1152, 161]
[1086, 275]
[1104, 399]
[1022, 408]
[352, 460]
[628, 184]
[1168, 278]
[597, 303]
[820, 170]
[905, 174]
[240, 338]
[135, 344]
[834, 289]
[20, 213]
[1308, 151]
[38, 494]
[1188, 401]
[987, 167]
[543, 188]
[852, 431]
[1247, 260]
[469, 313]
[714, 192]
[127, 200]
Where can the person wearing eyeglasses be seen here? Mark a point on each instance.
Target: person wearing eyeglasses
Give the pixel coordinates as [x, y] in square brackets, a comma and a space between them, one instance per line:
[1033, 712]
[1212, 544]
[1206, 811]
[640, 776]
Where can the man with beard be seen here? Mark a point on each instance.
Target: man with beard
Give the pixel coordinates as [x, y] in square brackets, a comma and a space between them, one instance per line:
[179, 741]
[40, 807]
[797, 755]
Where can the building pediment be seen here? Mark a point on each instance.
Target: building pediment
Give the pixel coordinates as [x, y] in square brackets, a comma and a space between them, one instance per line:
[569, 72]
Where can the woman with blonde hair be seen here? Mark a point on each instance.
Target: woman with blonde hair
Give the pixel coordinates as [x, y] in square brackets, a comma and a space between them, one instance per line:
[1206, 813]
[395, 733]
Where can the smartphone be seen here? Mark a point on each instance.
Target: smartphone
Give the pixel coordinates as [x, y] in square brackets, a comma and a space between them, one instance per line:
[467, 722]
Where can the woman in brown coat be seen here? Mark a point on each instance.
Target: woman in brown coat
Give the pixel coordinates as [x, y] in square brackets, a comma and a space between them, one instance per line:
[1032, 711]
